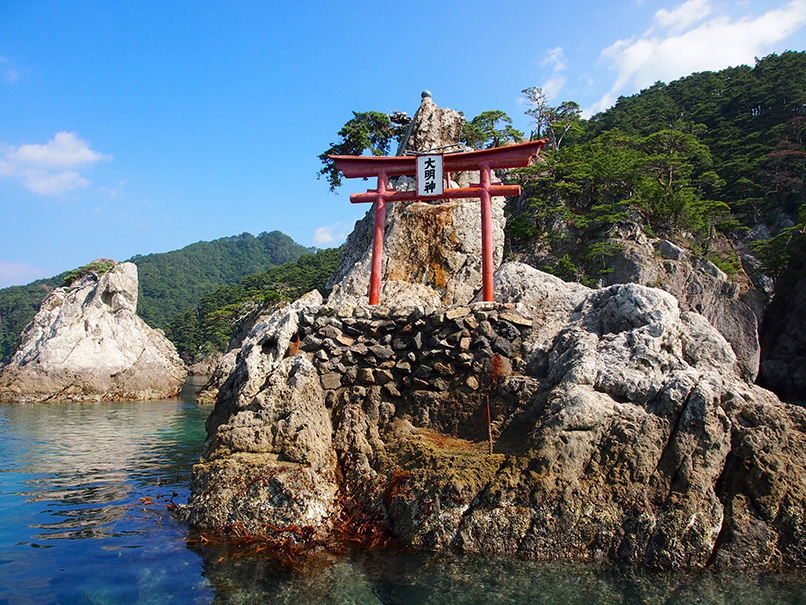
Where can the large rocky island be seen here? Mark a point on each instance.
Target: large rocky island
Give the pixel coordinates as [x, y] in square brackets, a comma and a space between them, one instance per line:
[87, 344]
[622, 424]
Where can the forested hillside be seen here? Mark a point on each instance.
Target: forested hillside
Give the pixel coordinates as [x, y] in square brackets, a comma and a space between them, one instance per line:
[18, 305]
[170, 282]
[715, 154]
[207, 327]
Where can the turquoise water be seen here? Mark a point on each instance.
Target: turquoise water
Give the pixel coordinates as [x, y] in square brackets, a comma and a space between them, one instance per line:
[84, 496]
[86, 492]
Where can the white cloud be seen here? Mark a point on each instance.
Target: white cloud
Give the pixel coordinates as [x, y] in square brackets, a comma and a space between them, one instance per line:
[554, 58]
[9, 74]
[114, 192]
[605, 102]
[715, 44]
[14, 274]
[66, 150]
[45, 183]
[684, 15]
[329, 235]
[49, 169]
[553, 86]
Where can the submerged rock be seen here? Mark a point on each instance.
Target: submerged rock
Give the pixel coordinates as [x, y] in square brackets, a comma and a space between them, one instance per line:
[87, 344]
[622, 429]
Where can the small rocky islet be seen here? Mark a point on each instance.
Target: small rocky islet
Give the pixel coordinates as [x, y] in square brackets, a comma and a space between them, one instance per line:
[87, 344]
[624, 425]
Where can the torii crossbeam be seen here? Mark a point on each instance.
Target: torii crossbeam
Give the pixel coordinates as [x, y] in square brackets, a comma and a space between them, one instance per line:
[511, 156]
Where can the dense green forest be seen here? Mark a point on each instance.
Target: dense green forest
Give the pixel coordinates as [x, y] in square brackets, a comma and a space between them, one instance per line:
[706, 157]
[209, 326]
[18, 305]
[170, 282]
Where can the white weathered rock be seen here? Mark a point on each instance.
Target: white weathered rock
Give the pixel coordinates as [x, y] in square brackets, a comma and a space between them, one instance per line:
[671, 251]
[434, 127]
[267, 347]
[544, 296]
[86, 343]
[698, 285]
[270, 456]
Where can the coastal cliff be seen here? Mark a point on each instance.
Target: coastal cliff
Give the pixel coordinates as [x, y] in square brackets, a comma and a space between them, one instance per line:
[87, 344]
[622, 424]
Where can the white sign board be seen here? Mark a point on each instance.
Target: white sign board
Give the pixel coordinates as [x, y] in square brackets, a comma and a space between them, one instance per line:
[429, 175]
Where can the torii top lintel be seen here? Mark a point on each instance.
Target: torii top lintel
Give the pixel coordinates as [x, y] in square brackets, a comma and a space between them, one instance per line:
[511, 156]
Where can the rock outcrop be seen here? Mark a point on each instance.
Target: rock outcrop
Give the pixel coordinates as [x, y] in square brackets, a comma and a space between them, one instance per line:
[87, 344]
[225, 364]
[432, 252]
[699, 286]
[622, 429]
[732, 306]
[622, 425]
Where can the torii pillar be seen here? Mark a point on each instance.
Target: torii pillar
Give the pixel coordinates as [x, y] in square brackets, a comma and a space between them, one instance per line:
[485, 161]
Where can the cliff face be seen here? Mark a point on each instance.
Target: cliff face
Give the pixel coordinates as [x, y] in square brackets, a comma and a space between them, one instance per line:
[732, 306]
[698, 285]
[86, 344]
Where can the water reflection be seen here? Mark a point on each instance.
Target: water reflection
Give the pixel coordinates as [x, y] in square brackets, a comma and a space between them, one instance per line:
[83, 462]
[85, 491]
[384, 578]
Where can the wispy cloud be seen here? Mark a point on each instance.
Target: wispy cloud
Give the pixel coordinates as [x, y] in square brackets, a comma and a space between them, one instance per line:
[695, 36]
[14, 274]
[555, 59]
[330, 235]
[7, 71]
[50, 168]
[683, 16]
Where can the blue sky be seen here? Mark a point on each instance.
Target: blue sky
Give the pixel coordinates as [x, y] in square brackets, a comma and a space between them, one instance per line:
[137, 127]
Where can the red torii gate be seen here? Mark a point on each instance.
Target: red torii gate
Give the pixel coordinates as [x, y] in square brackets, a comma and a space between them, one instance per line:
[511, 156]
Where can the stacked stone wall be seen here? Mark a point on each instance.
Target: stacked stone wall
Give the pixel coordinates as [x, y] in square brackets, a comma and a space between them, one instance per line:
[418, 356]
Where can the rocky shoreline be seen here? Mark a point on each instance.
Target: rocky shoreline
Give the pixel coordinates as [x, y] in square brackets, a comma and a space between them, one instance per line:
[623, 430]
[624, 426]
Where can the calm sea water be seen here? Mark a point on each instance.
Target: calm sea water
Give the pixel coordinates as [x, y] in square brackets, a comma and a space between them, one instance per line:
[86, 492]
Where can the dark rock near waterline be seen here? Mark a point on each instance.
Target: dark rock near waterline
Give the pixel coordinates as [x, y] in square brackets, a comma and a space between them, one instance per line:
[783, 332]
